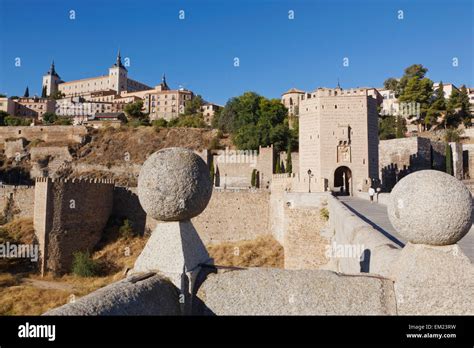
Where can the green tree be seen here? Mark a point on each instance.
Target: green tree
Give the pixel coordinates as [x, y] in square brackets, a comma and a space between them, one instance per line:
[3, 115]
[277, 166]
[289, 165]
[391, 84]
[437, 108]
[449, 159]
[194, 106]
[49, 118]
[253, 179]
[401, 127]
[255, 121]
[57, 95]
[418, 91]
[43, 92]
[27, 92]
[387, 127]
[134, 110]
[465, 106]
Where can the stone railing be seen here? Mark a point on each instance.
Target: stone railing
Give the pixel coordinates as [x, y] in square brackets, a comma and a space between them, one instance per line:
[355, 245]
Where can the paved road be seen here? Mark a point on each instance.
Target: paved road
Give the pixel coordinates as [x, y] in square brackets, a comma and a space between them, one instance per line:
[376, 215]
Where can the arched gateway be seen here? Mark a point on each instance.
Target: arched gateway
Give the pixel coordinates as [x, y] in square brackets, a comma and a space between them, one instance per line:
[343, 180]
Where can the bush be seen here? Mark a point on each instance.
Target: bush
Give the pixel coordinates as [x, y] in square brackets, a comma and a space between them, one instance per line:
[324, 213]
[191, 121]
[126, 230]
[83, 265]
[160, 123]
[17, 121]
[214, 144]
[36, 142]
[63, 121]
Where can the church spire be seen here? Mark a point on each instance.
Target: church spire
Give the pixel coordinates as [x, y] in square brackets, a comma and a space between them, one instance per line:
[118, 62]
[163, 84]
[52, 70]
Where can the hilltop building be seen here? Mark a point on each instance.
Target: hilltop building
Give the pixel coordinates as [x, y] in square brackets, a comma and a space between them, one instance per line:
[115, 82]
[164, 102]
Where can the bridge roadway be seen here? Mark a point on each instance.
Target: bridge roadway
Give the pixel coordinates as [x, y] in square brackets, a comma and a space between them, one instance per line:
[376, 215]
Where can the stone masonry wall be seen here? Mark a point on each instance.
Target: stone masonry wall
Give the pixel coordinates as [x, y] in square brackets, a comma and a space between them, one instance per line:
[69, 216]
[21, 198]
[45, 133]
[231, 215]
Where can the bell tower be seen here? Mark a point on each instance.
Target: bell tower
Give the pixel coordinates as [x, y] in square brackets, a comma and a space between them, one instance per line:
[118, 75]
[50, 81]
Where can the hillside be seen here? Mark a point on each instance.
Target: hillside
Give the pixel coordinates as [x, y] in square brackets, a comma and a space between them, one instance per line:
[117, 146]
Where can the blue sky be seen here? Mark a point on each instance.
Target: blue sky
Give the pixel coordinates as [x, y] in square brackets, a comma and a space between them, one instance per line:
[198, 52]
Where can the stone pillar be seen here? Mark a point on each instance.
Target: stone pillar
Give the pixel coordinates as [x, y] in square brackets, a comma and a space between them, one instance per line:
[432, 276]
[458, 167]
[174, 186]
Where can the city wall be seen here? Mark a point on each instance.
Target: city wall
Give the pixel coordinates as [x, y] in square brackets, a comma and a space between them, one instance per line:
[48, 134]
[18, 199]
[231, 215]
[69, 216]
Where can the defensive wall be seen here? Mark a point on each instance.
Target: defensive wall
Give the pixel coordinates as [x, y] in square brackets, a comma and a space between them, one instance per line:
[19, 200]
[69, 216]
[49, 134]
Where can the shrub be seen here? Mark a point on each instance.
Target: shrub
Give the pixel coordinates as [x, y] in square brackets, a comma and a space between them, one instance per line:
[17, 121]
[83, 265]
[160, 123]
[126, 230]
[214, 144]
[36, 142]
[324, 213]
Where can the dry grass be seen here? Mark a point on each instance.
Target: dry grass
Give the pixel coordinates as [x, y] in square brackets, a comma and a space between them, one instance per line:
[20, 230]
[29, 300]
[31, 294]
[109, 146]
[263, 251]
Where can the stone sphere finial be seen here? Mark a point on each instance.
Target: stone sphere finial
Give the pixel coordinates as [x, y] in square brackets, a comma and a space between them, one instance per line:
[430, 207]
[174, 184]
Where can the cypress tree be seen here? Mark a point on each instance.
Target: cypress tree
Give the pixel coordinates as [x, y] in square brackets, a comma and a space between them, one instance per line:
[212, 172]
[27, 92]
[253, 180]
[289, 166]
[449, 159]
[43, 92]
[277, 167]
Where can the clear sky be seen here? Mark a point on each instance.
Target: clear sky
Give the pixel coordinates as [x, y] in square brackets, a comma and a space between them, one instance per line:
[198, 52]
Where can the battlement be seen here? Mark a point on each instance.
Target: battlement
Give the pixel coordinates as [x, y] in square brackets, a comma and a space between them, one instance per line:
[69, 215]
[338, 92]
[76, 181]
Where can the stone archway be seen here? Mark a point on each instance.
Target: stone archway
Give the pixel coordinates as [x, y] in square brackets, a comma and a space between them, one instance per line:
[343, 181]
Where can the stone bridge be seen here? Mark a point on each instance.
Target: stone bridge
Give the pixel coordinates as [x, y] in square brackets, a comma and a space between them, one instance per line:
[376, 215]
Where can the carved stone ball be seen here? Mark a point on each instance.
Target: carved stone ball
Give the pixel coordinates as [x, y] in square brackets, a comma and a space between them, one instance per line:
[174, 184]
[430, 207]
